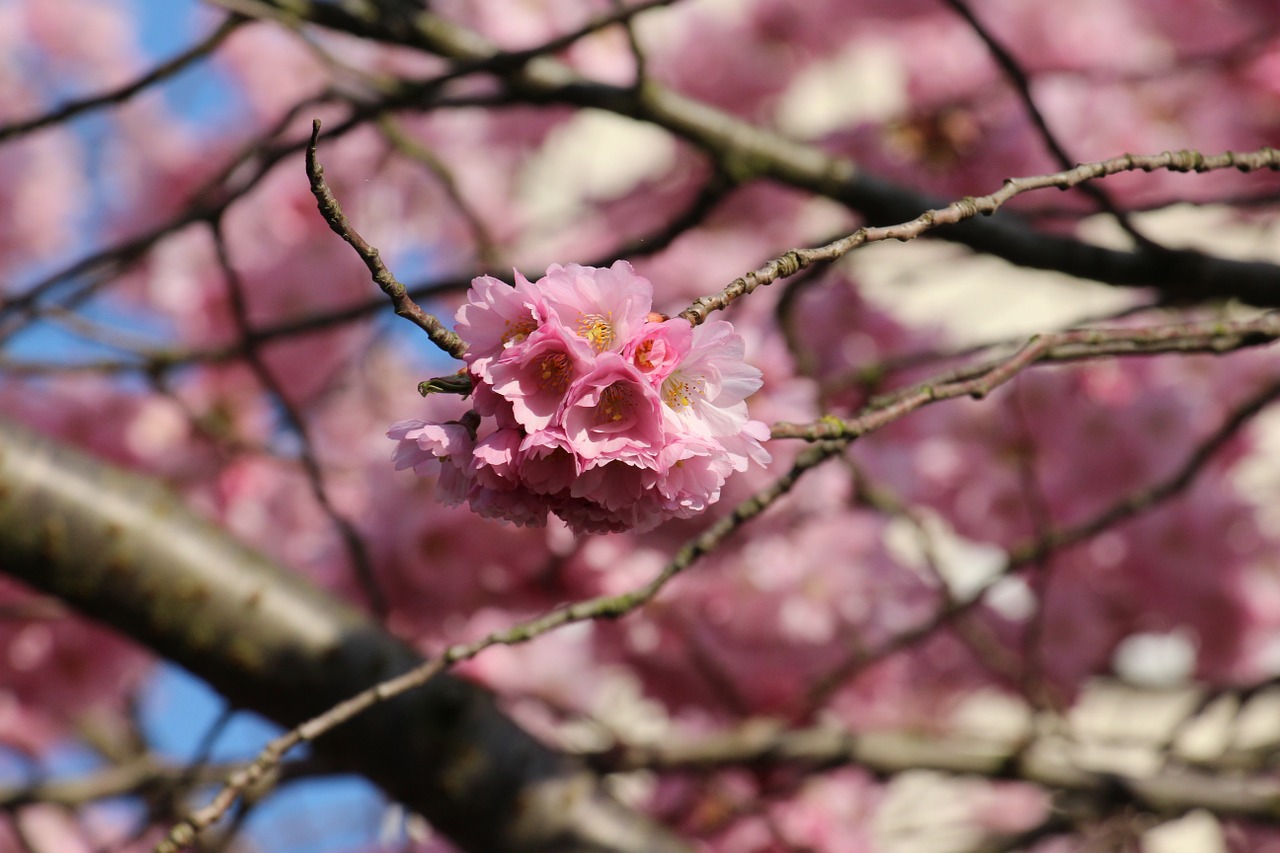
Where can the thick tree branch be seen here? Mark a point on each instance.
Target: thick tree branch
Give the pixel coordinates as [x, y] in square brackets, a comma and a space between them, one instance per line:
[601, 607]
[125, 551]
[1049, 762]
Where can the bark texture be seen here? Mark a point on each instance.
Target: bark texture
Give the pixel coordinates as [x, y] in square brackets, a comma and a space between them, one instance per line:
[124, 550]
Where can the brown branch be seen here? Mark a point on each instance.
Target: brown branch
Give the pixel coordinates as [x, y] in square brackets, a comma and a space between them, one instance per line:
[142, 775]
[410, 148]
[748, 152]
[357, 550]
[155, 361]
[794, 261]
[208, 201]
[979, 380]
[1040, 515]
[766, 743]
[123, 550]
[986, 649]
[294, 14]
[383, 277]
[1022, 86]
[873, 373]
[1038, 549]
[603, 607]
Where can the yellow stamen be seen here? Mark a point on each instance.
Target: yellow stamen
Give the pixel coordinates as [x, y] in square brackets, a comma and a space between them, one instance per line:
[554, 372]
[597, 329]
[642, 355]
[615, 404]
[516, 331]
[678, 391]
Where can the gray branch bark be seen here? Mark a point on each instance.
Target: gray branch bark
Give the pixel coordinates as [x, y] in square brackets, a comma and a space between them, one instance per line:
[123, 550]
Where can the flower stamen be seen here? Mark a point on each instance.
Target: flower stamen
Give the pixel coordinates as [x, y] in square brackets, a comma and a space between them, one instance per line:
[679, 390]
[597, 330]
[515, 331]
[615, 404]
[643, 353]
[554, 372]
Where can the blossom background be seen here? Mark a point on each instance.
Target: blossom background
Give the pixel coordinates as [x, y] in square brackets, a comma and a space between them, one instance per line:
[141, 359]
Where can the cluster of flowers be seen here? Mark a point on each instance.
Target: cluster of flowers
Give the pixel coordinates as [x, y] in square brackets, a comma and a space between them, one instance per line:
[589, 405]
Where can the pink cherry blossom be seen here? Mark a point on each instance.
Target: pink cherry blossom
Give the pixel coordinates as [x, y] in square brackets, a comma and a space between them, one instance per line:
[421, 443]
[518, 505]
[493, 463]
[694, 470]
[764, 618]
[706, 392]
[535, 376]
[547, 465]
[600, 411]
[495, 318]
[659, 347]
[613, 412]
[604, 307]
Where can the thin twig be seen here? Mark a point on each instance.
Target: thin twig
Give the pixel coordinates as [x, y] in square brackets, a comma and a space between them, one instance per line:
[1040, 515]
[119, 95]
[873, 373]
[1018, 78]
[987, 650]
[352, 541]
[390, 285]
[752, 152]
[209, 200]
[140, 775]
[795, 260]
[979, 380]
[402, 141]
[603, 607]
[1057, 539]
[155, 361]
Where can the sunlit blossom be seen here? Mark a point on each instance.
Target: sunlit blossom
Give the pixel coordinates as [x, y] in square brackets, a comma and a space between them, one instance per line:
[590, 406]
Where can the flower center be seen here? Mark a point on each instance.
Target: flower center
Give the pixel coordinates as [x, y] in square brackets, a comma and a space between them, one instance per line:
[615, 404]
[643, 355]
[554, 372]
[678, 390]
[515, 331]
[597, 329]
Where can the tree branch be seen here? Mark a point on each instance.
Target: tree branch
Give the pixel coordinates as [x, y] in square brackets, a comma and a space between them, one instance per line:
[383, 277]
[601, 607]
[981, 379]
[1052, 765]
[747, 151]
[125, 551]
[159, 73]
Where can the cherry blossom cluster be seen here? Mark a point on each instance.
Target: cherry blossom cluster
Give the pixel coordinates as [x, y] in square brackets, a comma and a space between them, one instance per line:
[588, 405]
